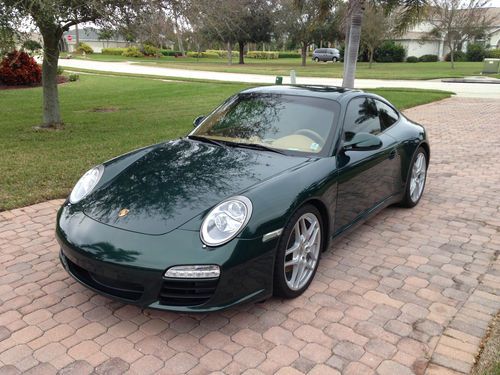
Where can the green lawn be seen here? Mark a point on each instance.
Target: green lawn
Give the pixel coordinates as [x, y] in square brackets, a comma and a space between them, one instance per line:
[334, 70]
[106, 116]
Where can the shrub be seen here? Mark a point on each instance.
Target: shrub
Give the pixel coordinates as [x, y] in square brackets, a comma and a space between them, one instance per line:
[493, 53]
[475, 52]
[60, 71]
[412, 59]
[132, 52]
[223, 53]
[19, 68]
[74, 77]
[84, 47]
[288, 55]
[428, 58]
[262, 55]
[457, 56]
[113, 51]
[390, 52]
[32, 46]
[149, 50]
[170, 52]
[203, 54]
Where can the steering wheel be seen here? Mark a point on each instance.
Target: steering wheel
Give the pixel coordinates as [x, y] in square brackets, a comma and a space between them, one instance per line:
[312, 135]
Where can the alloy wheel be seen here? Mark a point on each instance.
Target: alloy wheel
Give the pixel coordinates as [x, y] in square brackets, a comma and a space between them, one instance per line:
[302, 252]
[418, 175]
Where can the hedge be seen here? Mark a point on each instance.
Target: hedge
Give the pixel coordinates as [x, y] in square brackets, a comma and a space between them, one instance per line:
[222, 52]
[457, 56]
[262, 55]
[170, 52]
[389, 52]
[428, 58]
[412, 59]
[475, 52]
[288, 55]
[113, 51]
[493, 53]
[202, 54]
[132, 52]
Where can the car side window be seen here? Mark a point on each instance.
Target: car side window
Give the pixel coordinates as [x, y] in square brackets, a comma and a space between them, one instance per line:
[388, 116]
[361, 117]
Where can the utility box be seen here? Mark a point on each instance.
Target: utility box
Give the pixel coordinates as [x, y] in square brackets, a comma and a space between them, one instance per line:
[491, 66]
[279, 80]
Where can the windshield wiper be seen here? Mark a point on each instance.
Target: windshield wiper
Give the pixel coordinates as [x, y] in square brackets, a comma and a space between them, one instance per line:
[206, 140]
[256, 146]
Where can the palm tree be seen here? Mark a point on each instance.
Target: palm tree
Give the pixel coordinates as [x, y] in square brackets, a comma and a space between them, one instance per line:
[409, 12]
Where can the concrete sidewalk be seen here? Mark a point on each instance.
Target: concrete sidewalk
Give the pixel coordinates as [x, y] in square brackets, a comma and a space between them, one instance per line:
[476, 90]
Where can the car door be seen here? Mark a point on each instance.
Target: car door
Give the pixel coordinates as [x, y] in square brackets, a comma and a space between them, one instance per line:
[365, 177]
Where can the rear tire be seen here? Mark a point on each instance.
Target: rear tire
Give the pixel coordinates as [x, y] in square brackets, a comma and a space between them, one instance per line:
[334, 60]
[316, 59]
[298, 253]
[417, 176]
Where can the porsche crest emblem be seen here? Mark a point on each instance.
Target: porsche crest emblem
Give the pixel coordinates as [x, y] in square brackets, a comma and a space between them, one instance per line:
[123, 212]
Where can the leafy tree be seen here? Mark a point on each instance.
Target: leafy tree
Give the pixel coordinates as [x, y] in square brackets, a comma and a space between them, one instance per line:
[376, 29]
[53, 18]
[305, 19]
[408, 12]
[105, 35]
[235, 21]
[457, 21]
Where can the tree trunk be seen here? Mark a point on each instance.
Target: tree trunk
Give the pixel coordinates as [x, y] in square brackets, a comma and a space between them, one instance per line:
[77, 34]
[353, 47]
[179, 38]
[241, 46]
[370, 52]
[229, 53]
[51, 112]
[303, 53]
[452, 58]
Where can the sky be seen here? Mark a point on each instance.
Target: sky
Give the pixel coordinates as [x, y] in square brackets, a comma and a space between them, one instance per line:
[494, 3]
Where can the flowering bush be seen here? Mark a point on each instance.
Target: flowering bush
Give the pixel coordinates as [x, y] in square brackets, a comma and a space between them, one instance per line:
[19, 68]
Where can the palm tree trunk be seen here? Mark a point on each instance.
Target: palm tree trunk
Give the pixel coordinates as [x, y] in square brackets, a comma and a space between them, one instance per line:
[347, 32]
[353, 46]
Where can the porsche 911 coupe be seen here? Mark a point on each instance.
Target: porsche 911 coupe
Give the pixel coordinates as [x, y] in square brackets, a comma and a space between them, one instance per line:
[242, 207]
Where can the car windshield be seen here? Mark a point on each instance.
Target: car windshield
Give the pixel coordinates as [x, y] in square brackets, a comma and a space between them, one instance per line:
[282, 122]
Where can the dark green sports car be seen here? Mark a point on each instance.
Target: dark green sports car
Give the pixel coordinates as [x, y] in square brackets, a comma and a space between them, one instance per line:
[242, 207]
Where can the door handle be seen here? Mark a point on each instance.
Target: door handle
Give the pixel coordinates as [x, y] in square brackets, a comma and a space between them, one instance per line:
[392, 154]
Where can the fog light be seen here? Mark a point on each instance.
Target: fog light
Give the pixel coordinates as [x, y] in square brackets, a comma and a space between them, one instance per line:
[193, 272]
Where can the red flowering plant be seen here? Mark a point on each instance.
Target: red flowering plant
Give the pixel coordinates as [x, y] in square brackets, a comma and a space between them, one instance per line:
[18, 68]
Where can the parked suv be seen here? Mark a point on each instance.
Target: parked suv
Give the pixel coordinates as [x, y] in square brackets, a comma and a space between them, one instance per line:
[326, 54]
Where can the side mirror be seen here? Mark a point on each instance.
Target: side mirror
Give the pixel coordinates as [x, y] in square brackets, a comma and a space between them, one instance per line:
[363, 142]
[197, 121]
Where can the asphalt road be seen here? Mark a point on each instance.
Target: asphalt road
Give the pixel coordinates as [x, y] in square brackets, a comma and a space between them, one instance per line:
[466, 90]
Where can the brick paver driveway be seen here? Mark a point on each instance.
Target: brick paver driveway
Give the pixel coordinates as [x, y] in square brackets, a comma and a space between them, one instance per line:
[408, 292]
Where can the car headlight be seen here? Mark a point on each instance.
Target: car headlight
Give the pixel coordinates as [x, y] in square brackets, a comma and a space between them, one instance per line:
[226, 221]
[86, 184]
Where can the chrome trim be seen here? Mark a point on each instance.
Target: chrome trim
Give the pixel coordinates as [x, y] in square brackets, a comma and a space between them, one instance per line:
[271, 235]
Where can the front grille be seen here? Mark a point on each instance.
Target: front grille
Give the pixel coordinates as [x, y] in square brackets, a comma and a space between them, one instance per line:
[121, 289]
[187, 292]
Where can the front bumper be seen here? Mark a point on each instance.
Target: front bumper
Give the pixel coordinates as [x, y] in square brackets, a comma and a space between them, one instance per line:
[129, 266]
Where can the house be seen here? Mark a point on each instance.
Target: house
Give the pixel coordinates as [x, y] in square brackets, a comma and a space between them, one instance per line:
[417, 42]
[90, 36]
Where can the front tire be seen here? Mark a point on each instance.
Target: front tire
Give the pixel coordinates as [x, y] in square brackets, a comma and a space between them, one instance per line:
[316, 59]
[298, 252]
[417, 176]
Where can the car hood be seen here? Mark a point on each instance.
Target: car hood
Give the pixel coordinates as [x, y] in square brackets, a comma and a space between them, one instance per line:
[176, 181]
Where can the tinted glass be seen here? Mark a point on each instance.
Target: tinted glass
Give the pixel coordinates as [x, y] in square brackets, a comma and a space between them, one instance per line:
[361, 117]
[285, 122]
[387, 115]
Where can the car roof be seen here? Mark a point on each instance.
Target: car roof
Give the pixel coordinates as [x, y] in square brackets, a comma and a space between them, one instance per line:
[319, 91]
